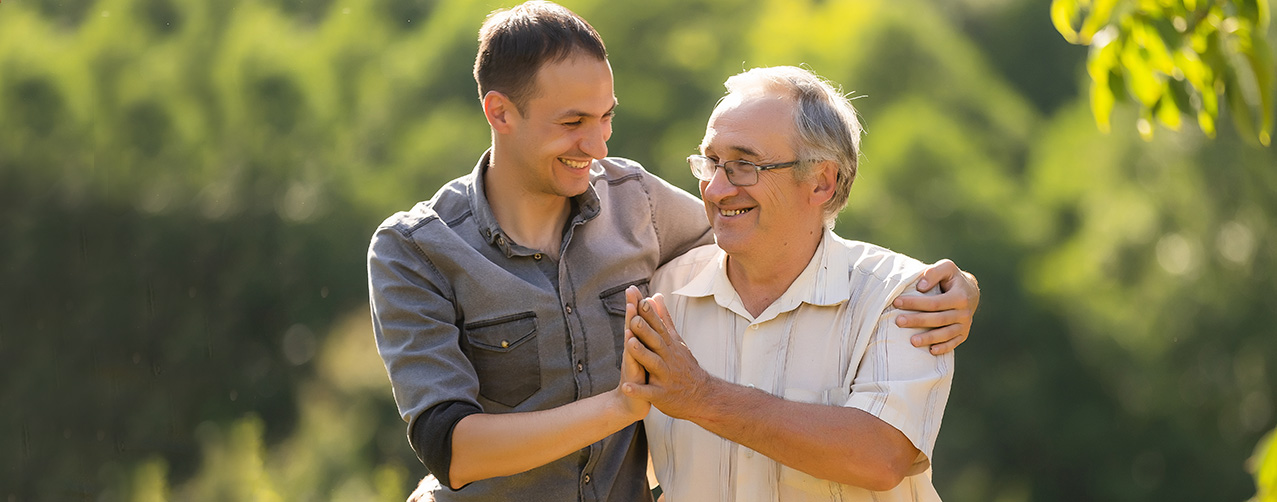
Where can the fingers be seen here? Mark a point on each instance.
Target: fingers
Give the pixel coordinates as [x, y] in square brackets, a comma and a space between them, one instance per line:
[643, 355]
[931, 320]
[967, 285]
[946, 347]
[632, 297]
[640, 391]
[935, 274]
[650, 312]
[951, 300]
[939, 335]
[658, 304]
[646, 333]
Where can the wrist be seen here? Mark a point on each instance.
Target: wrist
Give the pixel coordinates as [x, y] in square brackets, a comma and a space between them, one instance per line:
[626, 409]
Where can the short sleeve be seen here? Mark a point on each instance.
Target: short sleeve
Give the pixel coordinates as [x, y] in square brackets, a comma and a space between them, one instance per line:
[904, 386]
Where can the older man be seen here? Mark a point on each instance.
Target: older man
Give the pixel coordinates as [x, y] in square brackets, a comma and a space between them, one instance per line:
[792, 380]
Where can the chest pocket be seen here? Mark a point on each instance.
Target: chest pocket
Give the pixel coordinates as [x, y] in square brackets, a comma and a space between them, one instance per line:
[506, 357]
[614, 302]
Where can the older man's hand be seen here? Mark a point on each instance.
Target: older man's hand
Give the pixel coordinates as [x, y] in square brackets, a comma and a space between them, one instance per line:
[948, 315]
[677, 384]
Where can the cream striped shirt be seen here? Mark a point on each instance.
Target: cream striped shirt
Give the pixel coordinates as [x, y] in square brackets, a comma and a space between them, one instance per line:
[830, 339]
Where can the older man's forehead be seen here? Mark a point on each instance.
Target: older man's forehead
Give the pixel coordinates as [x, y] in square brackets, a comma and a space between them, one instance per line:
[750, 127]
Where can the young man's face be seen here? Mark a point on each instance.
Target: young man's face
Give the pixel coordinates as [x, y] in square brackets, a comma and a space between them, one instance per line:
[564, 127]
[772, 213]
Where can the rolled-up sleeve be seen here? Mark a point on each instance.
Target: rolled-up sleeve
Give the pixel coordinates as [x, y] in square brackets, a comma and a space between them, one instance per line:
[414, 321]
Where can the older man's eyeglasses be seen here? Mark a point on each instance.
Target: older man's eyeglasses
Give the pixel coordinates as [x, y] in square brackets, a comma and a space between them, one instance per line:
[741, 173]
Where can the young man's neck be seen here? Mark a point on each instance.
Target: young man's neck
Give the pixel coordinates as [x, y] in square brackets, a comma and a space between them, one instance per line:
[760, 279]
[531, 219]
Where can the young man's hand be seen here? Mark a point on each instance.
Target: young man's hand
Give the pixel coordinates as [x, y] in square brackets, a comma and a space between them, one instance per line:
[948, 315]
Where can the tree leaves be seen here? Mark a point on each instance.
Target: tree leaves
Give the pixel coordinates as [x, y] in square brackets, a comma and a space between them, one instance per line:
[1176, 58]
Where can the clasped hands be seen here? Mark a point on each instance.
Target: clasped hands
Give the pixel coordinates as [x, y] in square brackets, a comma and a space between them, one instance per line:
[657, 367]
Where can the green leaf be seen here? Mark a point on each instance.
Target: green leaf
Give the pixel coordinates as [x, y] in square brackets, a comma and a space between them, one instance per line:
[1101, 15]
[1167, 110]
[1141, 81]
[1206, 121]
[1263, 465]
[1261, 64]
[1062, 14]
[1101, 105]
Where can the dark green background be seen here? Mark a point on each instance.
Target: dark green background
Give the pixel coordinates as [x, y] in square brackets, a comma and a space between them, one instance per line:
[187, 189]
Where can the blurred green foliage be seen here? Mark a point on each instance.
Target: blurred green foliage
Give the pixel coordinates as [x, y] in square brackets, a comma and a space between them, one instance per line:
[1263, 464]
[187, 189]
[1176, 57]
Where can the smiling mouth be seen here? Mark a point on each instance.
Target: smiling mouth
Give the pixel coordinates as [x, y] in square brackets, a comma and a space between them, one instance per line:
[575, 164]
[734, 212]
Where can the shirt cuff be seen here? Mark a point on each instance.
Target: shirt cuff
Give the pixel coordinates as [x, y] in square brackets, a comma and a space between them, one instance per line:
[431, 435]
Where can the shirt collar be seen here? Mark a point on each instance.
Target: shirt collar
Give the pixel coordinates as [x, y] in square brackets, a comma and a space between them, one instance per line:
[824, 282]
[585, 207]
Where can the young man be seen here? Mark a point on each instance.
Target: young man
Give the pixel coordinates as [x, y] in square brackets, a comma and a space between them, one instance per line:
[791, 380]
[499, 304]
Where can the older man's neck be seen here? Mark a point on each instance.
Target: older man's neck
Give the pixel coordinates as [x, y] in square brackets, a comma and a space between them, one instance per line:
[761, 278]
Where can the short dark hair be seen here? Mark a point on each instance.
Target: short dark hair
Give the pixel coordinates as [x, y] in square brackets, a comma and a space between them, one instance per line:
[515, 43]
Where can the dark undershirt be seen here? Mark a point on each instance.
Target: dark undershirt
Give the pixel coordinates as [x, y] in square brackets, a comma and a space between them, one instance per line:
[431, 435]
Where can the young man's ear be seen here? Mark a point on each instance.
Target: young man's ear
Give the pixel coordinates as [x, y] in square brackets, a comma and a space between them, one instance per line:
[499, 110]
[824, 176]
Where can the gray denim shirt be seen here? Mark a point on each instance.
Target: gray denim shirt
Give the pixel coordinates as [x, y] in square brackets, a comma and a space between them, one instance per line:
[462, 313]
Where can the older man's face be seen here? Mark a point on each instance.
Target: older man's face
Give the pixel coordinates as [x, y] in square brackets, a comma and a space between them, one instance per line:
[777, 211]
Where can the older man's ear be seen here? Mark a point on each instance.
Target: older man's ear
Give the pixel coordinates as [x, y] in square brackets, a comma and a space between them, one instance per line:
[824, 176]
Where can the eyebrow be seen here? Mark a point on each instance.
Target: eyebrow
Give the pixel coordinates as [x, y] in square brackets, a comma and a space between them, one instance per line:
[581, 113]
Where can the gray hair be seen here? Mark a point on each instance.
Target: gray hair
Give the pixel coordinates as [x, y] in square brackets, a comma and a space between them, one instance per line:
[827, 125]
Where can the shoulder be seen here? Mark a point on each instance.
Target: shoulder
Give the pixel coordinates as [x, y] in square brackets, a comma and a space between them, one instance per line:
[877, 263]
[679, 271]
[448, 207]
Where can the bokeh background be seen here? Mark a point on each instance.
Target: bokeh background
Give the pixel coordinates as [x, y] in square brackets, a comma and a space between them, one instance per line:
[187, 189]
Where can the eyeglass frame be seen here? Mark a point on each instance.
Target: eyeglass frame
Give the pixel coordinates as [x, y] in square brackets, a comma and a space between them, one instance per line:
[691, 159]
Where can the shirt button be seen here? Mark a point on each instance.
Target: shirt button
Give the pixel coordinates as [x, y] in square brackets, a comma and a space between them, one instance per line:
[580, 367]
[567, 308]
[753, 326]
[505, 343]
[750, 385]
[749, 453]
[500, 240]
[587, 479]
[536, 256]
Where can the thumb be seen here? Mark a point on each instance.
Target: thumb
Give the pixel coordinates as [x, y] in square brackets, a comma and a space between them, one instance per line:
[639, 391]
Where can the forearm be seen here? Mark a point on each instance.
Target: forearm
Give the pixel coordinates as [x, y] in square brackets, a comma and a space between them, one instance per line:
[844, 445]
[491, 445]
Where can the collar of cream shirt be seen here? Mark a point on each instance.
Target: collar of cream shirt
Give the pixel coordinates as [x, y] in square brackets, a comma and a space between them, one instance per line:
[815, 285]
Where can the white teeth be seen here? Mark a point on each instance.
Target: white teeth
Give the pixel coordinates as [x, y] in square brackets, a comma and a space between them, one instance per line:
[733, 212]
[575, 164]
